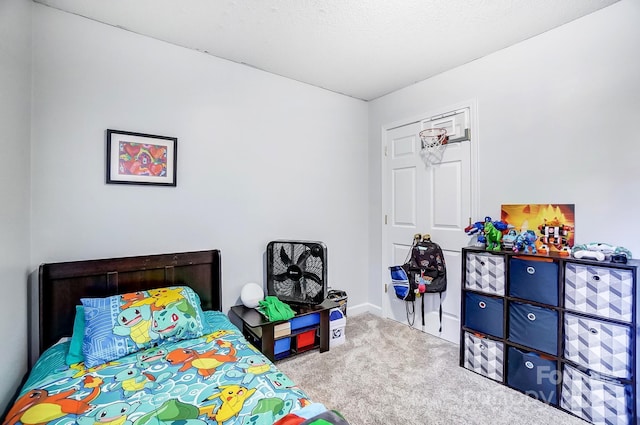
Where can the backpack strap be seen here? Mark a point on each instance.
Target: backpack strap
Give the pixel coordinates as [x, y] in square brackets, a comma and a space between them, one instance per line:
[410, 308]
[440, 330]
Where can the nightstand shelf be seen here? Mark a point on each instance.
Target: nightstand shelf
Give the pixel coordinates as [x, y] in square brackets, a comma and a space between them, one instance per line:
[312, 332]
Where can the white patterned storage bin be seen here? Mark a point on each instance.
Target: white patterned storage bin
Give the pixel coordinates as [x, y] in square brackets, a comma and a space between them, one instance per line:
[599, 401]
[601, 291]
[484, 356]
[598, 345]
[485, 273]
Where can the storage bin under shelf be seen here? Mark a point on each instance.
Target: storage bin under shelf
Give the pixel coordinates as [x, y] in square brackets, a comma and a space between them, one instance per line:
[533, 326]
[533, 374]
[534, 280]
[484, 314]
[601, 346]
[485, 273]
[305, 321]
[601, 291]
[594, 399]
[484, 356]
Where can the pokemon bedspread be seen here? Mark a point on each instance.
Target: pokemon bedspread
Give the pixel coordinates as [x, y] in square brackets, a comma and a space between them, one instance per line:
[218, 378]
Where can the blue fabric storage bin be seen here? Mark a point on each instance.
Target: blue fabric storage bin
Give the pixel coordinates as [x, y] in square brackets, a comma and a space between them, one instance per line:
[533, 375]
[300, 322]
[282, 345]
[534, 280]
[484, 314]
[535, 327]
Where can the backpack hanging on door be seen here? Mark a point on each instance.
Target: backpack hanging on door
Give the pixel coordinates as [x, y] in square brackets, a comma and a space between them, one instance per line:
[426, 269]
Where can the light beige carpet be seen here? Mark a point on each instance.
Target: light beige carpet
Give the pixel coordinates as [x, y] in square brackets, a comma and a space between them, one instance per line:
[387, 373]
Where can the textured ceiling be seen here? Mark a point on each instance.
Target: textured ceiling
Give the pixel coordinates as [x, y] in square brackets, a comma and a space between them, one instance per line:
[361, 48]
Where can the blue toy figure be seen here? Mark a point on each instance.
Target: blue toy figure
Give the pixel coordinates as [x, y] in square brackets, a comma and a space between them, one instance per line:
[526, 241]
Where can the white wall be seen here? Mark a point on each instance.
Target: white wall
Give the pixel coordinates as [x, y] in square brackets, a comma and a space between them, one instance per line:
[260, 157]
[15, 109]
[558, 123]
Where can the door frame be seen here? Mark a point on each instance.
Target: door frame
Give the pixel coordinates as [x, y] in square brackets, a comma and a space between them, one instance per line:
[385, 187]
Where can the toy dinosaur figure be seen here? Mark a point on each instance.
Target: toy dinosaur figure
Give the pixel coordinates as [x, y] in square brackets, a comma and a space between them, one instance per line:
[479, 229]
[493, 235]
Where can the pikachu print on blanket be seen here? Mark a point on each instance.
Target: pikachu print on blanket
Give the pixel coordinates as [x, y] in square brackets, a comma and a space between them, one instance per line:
[233, 398]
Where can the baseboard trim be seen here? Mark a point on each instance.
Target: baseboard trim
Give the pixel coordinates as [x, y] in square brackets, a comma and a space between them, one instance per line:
[363, 308]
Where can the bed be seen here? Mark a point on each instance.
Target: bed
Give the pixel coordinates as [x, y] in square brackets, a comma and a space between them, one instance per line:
[142, 341]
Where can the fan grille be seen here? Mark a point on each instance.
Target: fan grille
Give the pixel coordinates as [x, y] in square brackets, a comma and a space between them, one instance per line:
[297, 272]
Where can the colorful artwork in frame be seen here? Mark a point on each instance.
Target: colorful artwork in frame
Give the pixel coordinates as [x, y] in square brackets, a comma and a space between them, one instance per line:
[553, 224]
[136, 158]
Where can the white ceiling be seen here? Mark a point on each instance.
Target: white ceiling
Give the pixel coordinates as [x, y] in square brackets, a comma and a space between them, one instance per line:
[361, 48]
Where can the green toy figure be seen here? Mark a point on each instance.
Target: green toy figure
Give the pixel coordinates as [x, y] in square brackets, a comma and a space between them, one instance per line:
[493, 236]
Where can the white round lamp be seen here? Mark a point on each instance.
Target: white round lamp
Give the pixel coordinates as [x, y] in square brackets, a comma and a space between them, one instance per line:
[251, 294]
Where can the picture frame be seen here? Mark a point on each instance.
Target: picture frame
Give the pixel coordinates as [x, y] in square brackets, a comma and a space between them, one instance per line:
[143, 159]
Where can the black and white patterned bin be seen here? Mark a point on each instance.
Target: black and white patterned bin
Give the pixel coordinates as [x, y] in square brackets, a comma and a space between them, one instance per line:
[601, 291]
[598, 345]
[485, 273]
[484, 356]
[596, 399]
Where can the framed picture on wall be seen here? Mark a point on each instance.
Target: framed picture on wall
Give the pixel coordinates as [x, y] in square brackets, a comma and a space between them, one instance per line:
[136, 158]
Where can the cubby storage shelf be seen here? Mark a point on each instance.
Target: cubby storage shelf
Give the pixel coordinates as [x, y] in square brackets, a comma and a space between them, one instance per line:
[308, 330]
[559, 329]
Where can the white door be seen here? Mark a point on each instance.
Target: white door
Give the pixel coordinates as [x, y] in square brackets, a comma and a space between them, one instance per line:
[434, 198]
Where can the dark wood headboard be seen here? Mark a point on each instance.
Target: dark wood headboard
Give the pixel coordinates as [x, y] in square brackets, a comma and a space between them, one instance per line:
[62, 285]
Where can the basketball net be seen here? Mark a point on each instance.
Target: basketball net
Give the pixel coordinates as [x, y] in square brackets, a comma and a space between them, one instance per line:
[434, 141]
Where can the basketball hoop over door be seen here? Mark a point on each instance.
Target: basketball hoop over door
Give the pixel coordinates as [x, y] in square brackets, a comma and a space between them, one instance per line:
[433, 141]
[441, 131]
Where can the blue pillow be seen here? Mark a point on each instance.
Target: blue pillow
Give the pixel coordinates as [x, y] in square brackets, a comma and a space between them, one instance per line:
[74, 355]
[123, 324]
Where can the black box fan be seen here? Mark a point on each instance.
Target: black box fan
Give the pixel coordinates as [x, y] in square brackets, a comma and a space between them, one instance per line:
[297, 271]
